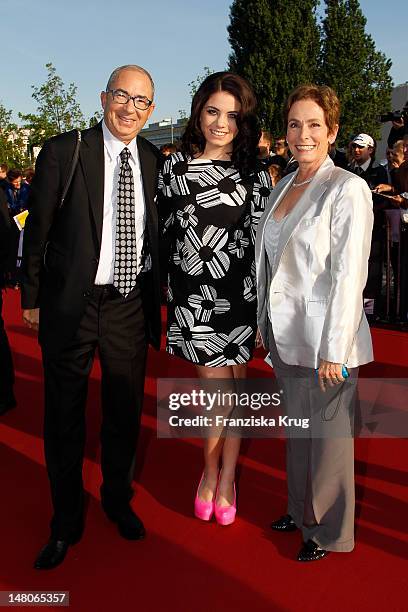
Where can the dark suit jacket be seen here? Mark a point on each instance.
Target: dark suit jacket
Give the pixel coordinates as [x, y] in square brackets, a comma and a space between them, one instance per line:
[373, 176]
[400, 178]
[62, 246]
[5, 233]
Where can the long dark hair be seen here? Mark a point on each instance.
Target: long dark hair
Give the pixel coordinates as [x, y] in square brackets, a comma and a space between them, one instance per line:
[245, 144]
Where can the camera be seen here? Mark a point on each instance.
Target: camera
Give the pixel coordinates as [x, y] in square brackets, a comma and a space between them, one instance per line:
[396, 115]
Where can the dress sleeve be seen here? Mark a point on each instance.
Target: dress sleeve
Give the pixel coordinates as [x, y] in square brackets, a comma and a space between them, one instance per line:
[260, 195]
[164, 197]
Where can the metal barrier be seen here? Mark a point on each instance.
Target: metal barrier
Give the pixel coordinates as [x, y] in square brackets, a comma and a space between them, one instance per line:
[393, 251]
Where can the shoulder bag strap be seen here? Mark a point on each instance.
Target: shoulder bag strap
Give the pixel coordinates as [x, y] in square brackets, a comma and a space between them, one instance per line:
[74, 163]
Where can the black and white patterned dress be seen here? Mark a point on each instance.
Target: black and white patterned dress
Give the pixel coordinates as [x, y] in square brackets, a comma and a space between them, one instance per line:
[212, 215]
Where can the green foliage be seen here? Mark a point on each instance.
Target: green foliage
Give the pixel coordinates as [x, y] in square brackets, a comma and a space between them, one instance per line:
[13, 150]
[278, 44]
[275, 46]
[96, 118]
[351, 64]
[195, 84]
[57, 109]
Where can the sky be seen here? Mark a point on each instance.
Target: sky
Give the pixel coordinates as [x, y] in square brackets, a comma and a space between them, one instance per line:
[173, 39]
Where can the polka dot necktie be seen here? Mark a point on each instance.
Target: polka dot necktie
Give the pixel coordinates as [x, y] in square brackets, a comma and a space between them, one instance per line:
[125, 269]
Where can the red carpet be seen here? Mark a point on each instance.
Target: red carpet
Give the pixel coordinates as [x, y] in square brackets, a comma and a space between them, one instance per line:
[183, 564]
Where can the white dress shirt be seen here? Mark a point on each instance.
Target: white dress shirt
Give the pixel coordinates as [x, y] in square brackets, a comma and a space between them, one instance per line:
[364, 167]
[112, 149]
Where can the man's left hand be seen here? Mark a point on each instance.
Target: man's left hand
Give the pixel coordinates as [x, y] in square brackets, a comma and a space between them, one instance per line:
[31, 317]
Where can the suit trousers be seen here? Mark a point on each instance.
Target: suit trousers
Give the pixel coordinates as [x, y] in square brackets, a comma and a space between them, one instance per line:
[115, 326]
[404, 273]
[320, 463]
[6, 362]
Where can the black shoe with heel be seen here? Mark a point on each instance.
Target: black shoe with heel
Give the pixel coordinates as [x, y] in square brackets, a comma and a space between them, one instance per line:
[285, 523]
[129, 524]
[311, 551]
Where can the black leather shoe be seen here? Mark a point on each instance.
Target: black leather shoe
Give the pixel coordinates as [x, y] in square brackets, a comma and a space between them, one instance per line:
[285, 523]
[129, 524]
[310, 551]
[52, 554]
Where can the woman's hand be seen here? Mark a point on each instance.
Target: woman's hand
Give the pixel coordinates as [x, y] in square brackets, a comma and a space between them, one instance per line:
[396, 200]
[383, 188]
[258, 339]
[329, 374]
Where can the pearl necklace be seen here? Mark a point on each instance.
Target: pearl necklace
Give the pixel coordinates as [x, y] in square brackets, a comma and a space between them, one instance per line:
[309, 180]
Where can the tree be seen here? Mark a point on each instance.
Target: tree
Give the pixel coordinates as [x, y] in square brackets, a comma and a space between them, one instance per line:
[13, 150]
[96, 118]
[57, 110]
[195, 84]
[354, 68]
[275, 46]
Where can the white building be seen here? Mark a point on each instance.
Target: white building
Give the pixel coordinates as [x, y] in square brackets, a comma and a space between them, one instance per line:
[164, 131]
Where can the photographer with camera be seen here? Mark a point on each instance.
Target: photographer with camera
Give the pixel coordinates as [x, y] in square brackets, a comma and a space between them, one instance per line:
[399, 121]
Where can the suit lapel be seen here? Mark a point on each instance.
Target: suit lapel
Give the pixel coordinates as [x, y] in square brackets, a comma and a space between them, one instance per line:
[276, 196]
[92, 162]
[316, 190]
[148, 171]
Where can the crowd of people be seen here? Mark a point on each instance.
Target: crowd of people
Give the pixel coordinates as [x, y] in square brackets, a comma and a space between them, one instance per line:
[386, 292]
[266, 242]
[15, 184]
[14, 193]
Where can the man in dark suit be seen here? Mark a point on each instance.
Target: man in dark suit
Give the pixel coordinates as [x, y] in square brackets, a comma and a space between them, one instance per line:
[363, 163]
[7, 400]
[91, 281]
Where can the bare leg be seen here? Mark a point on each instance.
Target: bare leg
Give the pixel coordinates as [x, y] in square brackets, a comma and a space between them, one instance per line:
[214, 446]
[230, 454]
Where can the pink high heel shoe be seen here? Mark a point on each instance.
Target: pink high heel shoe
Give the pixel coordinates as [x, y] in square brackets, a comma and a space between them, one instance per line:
[203, 509]
[225, 515]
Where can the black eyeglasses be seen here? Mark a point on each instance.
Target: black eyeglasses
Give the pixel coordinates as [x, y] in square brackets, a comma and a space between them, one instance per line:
[122, 97]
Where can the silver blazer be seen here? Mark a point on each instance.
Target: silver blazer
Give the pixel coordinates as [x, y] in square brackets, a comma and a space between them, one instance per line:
[315, 288]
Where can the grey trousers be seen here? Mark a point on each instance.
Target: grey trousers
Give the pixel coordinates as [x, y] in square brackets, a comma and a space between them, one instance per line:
[320, 464]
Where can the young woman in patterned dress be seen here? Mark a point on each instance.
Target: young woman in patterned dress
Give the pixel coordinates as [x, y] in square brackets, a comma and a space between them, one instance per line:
[214, 192]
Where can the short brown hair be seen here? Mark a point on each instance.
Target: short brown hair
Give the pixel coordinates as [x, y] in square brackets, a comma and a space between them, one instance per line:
[275, 171]
[170, 147]
[28, 173]
[13, 174]
[323, 95]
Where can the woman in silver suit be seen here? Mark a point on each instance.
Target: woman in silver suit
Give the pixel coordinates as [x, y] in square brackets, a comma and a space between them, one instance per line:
[312, 249]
